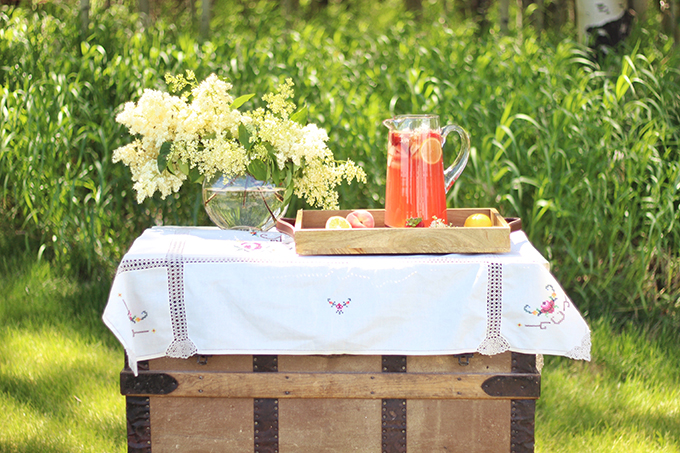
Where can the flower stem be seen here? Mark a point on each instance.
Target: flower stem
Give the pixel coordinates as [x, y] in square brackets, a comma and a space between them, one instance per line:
[245, 193]
[271, 213]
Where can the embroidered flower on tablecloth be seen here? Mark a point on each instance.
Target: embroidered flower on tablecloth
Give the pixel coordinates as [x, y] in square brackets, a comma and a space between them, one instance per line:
[339, 306]
[263, 241]
[134, 319]
[549, 308]
[250, 246]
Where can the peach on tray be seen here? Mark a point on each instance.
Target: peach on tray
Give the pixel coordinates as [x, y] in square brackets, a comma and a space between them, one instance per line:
[361, 218]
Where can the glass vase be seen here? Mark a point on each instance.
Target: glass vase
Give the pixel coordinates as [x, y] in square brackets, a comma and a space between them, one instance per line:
[243, 202]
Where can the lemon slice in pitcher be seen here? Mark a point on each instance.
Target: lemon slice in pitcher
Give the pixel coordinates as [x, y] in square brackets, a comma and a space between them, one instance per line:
[431, 150]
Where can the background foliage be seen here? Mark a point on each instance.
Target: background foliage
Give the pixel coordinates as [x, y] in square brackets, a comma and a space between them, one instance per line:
[582, 147]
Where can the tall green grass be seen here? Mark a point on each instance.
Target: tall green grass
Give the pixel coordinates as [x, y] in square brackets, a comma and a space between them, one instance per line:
[585, 151]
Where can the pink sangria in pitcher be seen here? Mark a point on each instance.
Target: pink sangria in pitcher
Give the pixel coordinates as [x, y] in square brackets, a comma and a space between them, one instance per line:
[415, 193]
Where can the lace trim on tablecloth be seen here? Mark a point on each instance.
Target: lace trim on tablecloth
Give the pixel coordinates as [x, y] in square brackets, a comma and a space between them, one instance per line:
[581, 352]
[181, 347]
[140, 264]
[494, 343]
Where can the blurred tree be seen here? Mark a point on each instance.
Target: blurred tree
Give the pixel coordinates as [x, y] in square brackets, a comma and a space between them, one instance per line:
[145, 11]
[191, 6]
[316, 6]
[290, 7]
[669, 18]
[476, 10]
[531, 13]
[204, 28]
[504, 15]
[84, 18]
[416, 7]
[640, 8]
[545, 14]
[558, 13]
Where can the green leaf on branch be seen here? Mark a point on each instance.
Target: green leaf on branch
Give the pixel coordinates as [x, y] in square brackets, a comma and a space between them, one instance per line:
[183, 167]
[300, 116]
[195, 175]
[239, 101]
[290, 170]
[277, 174]
[259, 170]
[163, 154]
[244, 137]
[270, 150]
[288, 194]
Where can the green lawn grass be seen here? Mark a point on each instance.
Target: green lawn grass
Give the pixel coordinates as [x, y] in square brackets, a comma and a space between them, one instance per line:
[58, 364]
[627, 399]
[59, 377]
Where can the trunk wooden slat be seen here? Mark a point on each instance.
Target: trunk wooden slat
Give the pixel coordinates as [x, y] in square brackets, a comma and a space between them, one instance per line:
[349, 385]
[337, 404]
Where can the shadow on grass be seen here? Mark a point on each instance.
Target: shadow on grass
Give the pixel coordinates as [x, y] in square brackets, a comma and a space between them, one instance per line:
[35, 294]
[34, 446]
[59, 392]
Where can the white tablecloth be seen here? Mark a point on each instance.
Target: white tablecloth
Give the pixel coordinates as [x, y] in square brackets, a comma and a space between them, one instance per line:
[181, 291]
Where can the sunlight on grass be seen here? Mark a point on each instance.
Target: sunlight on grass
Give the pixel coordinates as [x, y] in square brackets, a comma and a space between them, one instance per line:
[59, 392]
[626, 399]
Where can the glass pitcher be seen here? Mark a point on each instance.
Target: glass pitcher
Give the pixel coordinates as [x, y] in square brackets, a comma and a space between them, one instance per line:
[415, 193]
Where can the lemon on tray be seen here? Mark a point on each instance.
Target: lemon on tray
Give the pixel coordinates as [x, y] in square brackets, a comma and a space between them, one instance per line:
[337, 222]
[478, 220]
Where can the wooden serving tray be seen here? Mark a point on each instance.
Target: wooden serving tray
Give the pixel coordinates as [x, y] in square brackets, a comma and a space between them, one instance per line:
[312, 238]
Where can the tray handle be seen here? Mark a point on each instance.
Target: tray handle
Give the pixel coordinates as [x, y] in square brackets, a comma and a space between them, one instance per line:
[515, 223]
[286, 226]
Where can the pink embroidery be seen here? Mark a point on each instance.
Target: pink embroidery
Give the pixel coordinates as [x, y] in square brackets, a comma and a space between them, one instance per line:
[548, 308]
[339, 306]
[133, 318]
[251, 245]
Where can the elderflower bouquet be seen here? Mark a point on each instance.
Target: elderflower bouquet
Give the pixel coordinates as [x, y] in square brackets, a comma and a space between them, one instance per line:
[200, 132]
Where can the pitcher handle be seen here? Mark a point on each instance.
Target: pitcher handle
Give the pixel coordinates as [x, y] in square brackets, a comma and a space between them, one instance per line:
[452, 173]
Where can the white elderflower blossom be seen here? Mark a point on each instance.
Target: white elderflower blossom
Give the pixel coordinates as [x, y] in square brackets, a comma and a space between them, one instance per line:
[148, 181]
[154, 117]
[278, 102]
[145, 175]
[201, 132]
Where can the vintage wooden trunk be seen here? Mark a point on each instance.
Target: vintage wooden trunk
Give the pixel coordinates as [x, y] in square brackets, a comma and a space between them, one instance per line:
[314, 404]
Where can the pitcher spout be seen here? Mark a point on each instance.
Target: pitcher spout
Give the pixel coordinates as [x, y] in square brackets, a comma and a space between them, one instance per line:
[390, 124]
